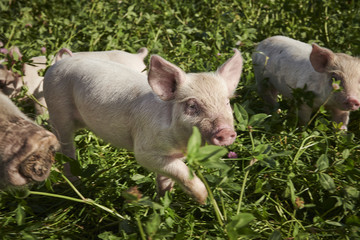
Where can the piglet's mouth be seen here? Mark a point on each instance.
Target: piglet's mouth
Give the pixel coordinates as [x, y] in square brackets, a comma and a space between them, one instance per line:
[32, 163]
[350, 104]
[36, 168]
[347, 107]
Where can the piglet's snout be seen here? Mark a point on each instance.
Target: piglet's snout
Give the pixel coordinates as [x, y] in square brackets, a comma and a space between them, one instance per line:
[352, 103]
[224, 137]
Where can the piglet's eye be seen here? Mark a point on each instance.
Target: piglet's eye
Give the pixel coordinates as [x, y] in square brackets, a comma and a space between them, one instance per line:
[335, 77]
[192, 107]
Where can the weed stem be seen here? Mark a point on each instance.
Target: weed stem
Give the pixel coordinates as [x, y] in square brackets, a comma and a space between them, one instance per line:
[218, 214]
[242, 191]
[283, 209]
[85, 200]
[318, 111]
[142, 234]
[73, 187]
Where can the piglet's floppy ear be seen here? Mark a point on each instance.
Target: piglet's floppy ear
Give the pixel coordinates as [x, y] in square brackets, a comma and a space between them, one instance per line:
[320, 58]
[231, 70]
[164, 77]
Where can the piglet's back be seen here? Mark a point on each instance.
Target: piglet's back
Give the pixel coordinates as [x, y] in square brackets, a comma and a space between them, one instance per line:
[109, 77]
[91, 92]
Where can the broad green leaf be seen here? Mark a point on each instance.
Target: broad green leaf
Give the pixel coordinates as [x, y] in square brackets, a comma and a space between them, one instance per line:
[216, 164]
[238, 225]
[353, 220]
[153, 224]
[22, 192]
[148, 203]
[322, 163]
[27, 236]
[194, 142]
[75, 167]
[347, 137]
[211, 152]
[241, 220]
[276, 235]
[108, 236]
[262, 149]
[291, 190]
[16, 56]
[169, 221]
[327, 182]
[296, 229]
[241, 116]
[258, 119]
[20, 215]
[352, 192]
[322, 109]
[346, 153]
[282, 154]
[166, 200]
[209, 156]
[136, 177]
[333, 223]
[258, 186]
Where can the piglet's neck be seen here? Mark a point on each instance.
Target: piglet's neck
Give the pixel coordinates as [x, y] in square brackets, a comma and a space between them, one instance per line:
[170, 130]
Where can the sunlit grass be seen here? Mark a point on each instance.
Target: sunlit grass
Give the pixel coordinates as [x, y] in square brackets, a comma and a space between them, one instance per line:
[286, 182]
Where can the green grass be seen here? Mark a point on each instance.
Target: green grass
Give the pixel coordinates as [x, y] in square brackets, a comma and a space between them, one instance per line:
[287, 183]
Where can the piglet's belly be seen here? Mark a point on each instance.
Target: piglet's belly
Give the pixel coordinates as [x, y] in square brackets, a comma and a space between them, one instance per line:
[117, 133]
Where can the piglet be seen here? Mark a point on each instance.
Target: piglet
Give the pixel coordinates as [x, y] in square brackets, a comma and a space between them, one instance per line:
[26, 149]
[153, 117]
[282, 64]
[11, 83]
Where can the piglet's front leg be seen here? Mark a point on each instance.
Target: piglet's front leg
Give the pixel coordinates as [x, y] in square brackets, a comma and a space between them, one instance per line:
[174, 168]
[304, 114]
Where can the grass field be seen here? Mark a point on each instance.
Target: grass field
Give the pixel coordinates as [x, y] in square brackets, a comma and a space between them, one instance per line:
[279, 182]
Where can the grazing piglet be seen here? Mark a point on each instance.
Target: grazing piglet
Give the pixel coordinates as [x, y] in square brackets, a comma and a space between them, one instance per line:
[153, 118]
[282, 64]
[26, 149]
[10, 83]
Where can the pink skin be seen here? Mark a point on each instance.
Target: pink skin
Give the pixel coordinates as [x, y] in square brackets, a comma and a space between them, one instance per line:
[352, 103]
[282, 64]
[152, 116]
[224, 137]
[59, 55]
[11, 83]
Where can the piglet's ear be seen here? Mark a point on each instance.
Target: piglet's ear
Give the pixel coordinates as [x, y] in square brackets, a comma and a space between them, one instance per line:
[231, 70]
[142, 52]
[164, 77]
[320, 58]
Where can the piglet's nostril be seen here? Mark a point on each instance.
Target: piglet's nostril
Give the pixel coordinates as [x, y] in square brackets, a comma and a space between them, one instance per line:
[353, 103]
[219, 138]
[224, 137]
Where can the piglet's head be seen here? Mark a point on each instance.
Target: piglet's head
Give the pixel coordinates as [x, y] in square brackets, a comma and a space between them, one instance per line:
[343, 68]
[199, 99]
[27, 153]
